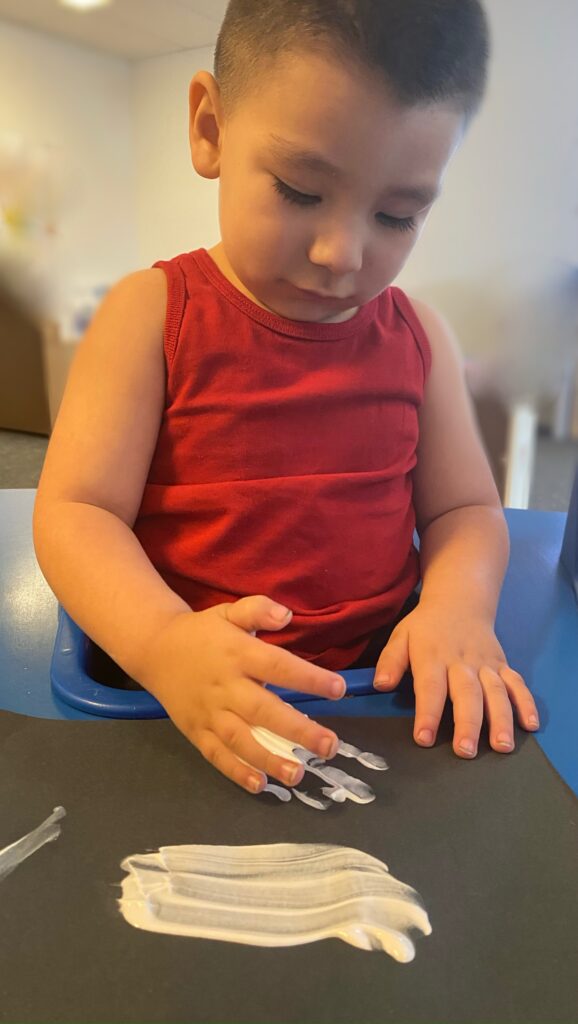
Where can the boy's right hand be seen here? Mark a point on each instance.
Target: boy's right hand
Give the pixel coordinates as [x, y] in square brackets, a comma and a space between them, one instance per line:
[209, 672]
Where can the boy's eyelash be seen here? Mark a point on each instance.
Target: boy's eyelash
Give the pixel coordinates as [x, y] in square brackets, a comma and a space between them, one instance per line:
[302, 199]
[292, 196]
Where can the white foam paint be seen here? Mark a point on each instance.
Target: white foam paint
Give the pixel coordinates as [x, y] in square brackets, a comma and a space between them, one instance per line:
[280, 792]
[13, 855]
[374, 761]
[353, 788]
[342, 786]
[283, 894]
[320, 803]
[337, 795]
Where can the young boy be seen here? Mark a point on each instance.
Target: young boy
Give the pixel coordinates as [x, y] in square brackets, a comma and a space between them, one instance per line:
[270, 417]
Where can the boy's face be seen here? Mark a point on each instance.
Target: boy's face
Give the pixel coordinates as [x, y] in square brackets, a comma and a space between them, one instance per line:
[346, 233]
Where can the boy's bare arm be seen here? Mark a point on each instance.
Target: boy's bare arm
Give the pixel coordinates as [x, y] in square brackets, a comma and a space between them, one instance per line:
[449, 640]
[204, 667]
[94, 474]
[457, 505]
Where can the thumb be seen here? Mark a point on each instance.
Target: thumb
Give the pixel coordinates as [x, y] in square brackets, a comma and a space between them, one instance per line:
[393, 661]
[257, 613]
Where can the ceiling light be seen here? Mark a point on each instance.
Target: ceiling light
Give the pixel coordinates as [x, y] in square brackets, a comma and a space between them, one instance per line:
[84, 5]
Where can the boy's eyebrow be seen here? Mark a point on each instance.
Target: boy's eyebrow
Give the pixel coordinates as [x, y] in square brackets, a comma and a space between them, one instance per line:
[312, 161]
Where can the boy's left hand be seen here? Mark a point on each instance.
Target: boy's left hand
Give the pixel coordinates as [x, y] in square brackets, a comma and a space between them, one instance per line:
[454, 652]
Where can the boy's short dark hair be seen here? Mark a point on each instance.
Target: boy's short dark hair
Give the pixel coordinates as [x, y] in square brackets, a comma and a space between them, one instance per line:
[425, 50]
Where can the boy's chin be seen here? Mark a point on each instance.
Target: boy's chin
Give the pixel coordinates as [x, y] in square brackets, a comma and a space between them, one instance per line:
[311, 316]
[311, 310]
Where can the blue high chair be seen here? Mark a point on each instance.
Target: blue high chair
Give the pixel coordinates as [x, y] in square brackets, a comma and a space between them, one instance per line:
[73, 683]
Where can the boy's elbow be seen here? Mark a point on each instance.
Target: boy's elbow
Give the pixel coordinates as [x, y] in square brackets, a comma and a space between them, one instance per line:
[487, 512]
[40, 528]
[45, 521]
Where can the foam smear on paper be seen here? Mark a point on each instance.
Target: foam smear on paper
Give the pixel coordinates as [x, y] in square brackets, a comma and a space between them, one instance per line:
[283, 894]
[342, 786]
[13, 855]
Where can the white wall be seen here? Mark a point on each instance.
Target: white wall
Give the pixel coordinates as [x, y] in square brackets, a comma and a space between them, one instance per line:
[79, 104]
[499, 254]
[177, 209]
[495, 255]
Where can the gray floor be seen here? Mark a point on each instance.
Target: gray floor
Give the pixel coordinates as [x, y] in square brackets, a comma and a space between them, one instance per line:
[21, 458]
[556, 463]
[22, 455]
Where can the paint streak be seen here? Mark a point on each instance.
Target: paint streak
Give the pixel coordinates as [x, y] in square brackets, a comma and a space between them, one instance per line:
[320, 803]
[13, 855]
[283, 894]
[337, 795]
[280, 792]
[342, 786]
[369, 760]
[354, 789]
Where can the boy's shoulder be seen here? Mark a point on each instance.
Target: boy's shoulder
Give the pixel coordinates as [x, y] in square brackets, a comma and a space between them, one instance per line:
[131, 318]
[441, 336]
[135, 305]
[148, 286]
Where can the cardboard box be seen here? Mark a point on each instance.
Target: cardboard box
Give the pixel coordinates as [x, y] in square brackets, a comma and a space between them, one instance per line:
[23, 391]
[34, 365]
[57, 359]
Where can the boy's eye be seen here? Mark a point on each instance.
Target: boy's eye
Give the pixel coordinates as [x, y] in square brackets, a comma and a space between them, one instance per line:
[398, 223]
[292, 195]
[302, 199]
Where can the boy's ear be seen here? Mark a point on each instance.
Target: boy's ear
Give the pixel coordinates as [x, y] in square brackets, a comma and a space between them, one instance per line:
[205, 120]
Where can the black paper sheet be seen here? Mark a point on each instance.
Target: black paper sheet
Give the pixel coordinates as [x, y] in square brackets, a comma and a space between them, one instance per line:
[490, 845]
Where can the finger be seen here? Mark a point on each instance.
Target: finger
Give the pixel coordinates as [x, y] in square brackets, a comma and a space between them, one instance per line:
[258, 707]
[216, 753]
[255, 613]
[236, 736]
[431, 688]
[393, 661]
[274, 665]
[521, 698]
[466, 694]
[498, 710]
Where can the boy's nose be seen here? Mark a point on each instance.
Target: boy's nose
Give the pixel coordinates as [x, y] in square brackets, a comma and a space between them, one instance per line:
[341, 252]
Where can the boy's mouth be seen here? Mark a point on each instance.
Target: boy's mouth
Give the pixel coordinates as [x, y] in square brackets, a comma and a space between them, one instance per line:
[306, 293]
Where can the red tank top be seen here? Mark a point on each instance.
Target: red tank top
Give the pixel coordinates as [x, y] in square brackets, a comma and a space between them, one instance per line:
[284, 460]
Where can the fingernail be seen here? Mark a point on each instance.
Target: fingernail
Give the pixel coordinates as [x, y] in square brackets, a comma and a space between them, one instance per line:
[337, 687]
[533, 722]
[328, 747]
[279, 613]
[425, 737]
[504, 740]
[467, 747]
[289, 773]
[256, 783]
[383, 680]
